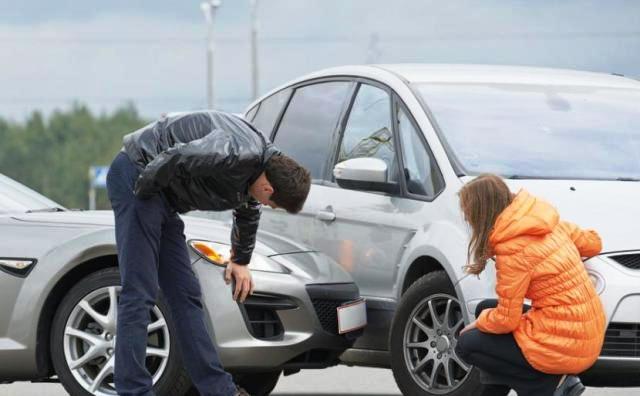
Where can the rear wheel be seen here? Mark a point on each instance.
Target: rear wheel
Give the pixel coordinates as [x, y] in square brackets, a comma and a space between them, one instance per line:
[83, 340]
[424, 335]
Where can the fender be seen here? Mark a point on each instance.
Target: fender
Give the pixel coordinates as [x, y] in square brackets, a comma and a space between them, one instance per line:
[53, 263]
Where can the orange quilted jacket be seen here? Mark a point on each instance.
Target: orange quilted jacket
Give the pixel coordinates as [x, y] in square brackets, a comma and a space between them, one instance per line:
[539, 257]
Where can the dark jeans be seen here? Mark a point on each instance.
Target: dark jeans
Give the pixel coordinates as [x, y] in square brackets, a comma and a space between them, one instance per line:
[501, 362]
[152, 254]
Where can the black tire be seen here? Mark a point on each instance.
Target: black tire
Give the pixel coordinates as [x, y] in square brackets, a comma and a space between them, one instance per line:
[174, 380]
[258, 384]
[434, 283]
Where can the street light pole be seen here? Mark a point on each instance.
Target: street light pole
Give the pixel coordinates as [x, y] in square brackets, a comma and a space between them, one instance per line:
[209, 9]
[253, 4]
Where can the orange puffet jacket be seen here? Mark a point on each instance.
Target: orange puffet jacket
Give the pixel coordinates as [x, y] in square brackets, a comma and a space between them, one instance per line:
[539, 257]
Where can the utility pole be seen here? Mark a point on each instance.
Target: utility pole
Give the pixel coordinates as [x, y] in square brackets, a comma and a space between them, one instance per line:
[209, 9]
[253, 4]
[373, 49]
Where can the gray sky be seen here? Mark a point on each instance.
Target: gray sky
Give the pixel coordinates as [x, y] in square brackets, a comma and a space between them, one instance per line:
[153, 52]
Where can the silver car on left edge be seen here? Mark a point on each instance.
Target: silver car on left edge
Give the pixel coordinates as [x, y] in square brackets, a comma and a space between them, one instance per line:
[59, 287]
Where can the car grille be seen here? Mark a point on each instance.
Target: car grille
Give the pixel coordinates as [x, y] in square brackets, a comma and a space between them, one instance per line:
[326, 299]
[628, 260]
[327, 311]
[622, 340]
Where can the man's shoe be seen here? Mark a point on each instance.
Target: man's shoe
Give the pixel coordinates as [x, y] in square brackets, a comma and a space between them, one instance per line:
[570, 387]
[241, 392]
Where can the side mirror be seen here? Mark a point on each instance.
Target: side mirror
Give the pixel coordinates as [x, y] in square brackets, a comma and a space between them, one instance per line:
[369, 174]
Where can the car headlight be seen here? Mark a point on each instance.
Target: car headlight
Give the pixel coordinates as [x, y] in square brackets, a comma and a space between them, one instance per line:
[211, 251]
[218, 253]
[597, 280]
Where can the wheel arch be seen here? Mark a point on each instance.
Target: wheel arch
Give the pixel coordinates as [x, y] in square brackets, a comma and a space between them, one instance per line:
[53, 300]
[418, 268]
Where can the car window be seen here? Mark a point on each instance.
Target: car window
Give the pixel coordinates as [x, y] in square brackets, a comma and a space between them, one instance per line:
[368, 132]
[309, 122]
[251, 113]
[421, 173]
[268, 111]
[15, 197]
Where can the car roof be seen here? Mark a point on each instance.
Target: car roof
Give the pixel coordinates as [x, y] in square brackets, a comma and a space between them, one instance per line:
[457, 73]
[469, 74]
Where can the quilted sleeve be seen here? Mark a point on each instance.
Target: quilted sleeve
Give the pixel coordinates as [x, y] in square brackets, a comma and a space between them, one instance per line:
[243, 234]
[588, 242]
[512, 282]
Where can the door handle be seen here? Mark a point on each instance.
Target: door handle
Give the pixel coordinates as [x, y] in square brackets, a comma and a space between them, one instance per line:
[325, 215]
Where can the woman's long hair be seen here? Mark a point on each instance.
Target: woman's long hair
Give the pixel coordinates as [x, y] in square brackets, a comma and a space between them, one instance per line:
[482, 200]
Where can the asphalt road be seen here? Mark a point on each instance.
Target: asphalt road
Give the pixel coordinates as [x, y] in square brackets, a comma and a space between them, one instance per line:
[336, 381]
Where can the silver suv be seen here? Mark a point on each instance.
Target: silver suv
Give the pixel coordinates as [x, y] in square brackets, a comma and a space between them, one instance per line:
[389, 147]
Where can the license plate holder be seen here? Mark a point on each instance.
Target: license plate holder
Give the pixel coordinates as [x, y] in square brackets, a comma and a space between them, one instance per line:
[352, 316]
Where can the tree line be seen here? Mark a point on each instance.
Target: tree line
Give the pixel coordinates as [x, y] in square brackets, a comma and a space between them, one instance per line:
[52, 155]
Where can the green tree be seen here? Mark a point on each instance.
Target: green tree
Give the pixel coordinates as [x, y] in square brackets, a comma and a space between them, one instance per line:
[53, 155]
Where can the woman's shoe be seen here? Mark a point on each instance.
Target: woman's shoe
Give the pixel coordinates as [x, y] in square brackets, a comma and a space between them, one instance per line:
[570, 387]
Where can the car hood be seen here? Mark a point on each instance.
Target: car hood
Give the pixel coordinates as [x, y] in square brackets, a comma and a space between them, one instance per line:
[195, 228]
[609, 207]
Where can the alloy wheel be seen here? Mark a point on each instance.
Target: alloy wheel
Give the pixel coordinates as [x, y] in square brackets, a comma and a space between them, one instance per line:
[430, 337]
[90, 337]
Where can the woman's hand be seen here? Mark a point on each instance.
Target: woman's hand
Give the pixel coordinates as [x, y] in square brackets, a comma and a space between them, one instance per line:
[468, 327]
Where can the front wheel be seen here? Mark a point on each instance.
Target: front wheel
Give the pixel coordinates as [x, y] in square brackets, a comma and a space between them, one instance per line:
[424, 334]
[83, 340]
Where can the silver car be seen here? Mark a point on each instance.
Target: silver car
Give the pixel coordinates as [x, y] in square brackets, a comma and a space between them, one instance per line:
[389, 147]
[59, 288]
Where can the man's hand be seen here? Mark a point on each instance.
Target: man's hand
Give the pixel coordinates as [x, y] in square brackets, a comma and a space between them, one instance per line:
[470, 326]
[242, 276]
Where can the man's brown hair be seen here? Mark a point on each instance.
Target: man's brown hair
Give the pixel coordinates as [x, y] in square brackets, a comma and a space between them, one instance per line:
[482, 200]
[290, 181]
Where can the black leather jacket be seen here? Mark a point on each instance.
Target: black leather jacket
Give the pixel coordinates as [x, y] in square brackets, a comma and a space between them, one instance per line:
[204, 161]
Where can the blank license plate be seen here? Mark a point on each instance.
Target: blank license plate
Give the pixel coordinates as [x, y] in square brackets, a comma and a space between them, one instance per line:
[352, 316]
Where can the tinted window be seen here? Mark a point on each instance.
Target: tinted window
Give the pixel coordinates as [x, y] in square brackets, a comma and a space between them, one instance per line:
[309, 122]
[268, 111]
[420, 169]
[540, 131]
[368, 132]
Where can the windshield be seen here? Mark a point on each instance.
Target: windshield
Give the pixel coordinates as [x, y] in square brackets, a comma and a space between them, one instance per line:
[564, 132]
[15, 197]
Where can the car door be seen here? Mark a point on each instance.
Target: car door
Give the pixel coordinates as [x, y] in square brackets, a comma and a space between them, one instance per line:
[360, 229]
[306, 131]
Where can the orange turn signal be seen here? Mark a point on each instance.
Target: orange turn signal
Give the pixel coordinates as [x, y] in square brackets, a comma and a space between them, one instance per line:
[208, 250]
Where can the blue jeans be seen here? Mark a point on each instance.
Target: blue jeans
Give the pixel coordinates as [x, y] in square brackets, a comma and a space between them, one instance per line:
[152, 255]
